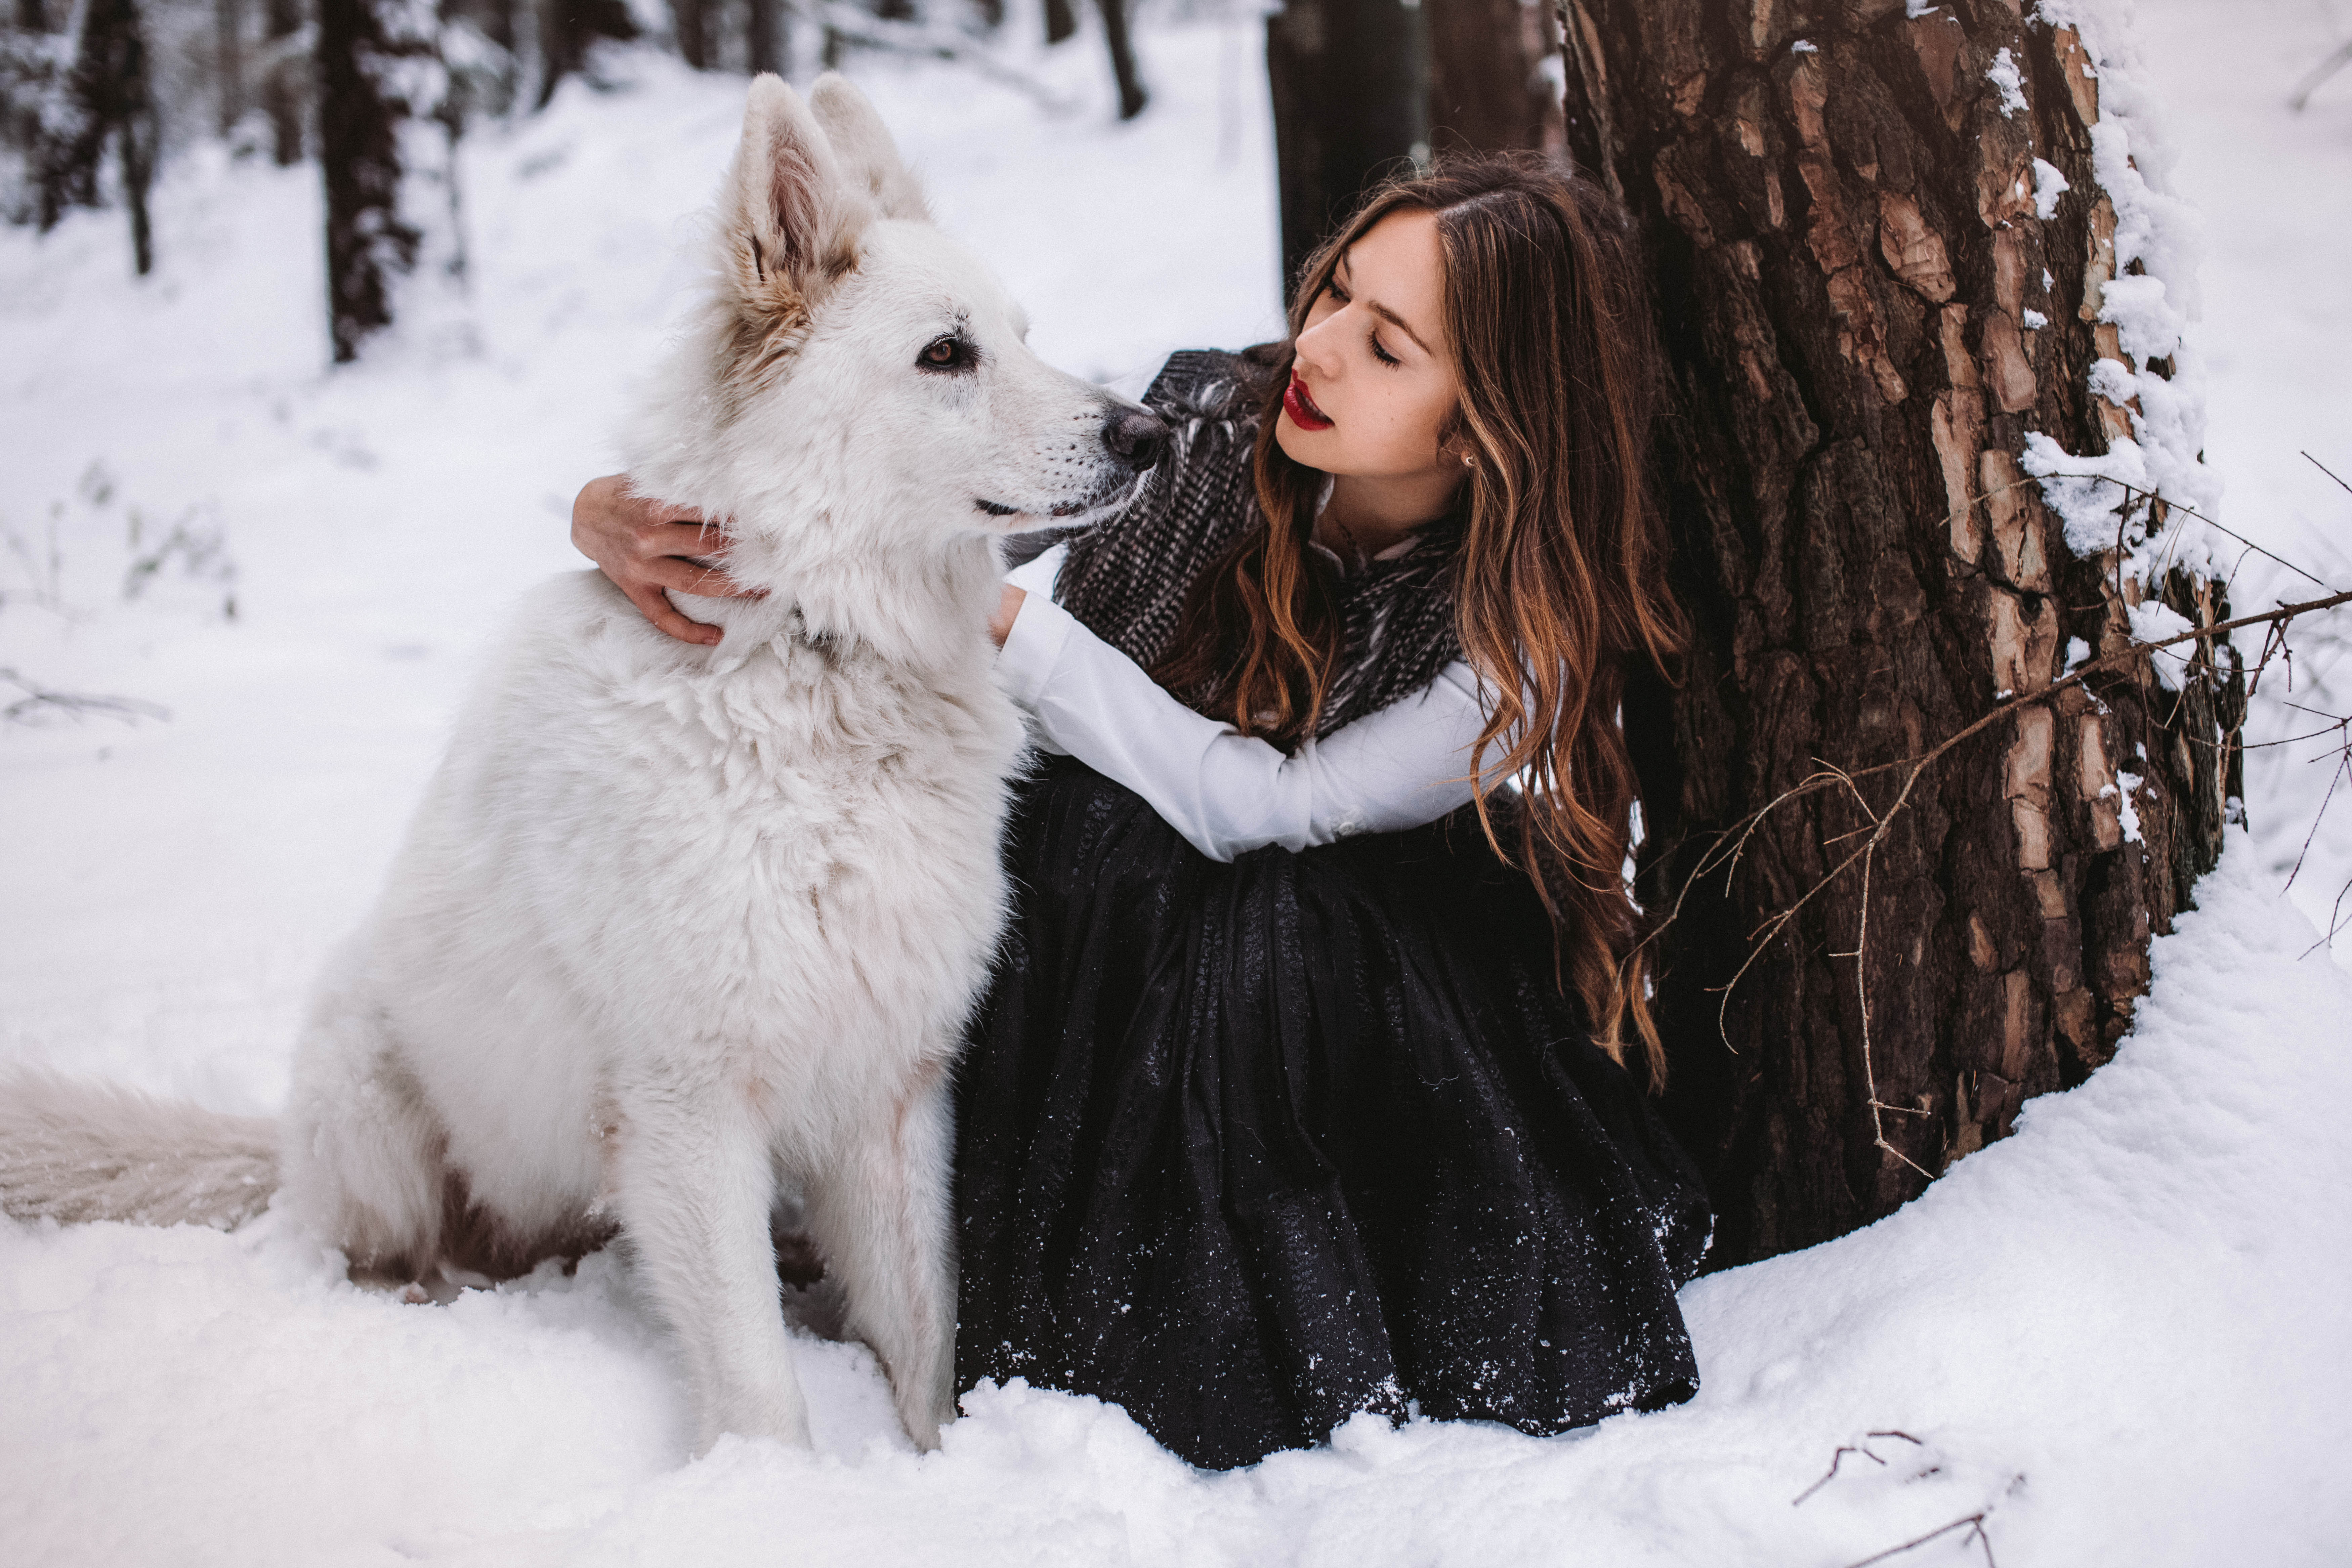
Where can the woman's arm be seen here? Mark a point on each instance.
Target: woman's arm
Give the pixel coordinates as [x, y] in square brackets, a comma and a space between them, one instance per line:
[644, 547]
[1226, 793]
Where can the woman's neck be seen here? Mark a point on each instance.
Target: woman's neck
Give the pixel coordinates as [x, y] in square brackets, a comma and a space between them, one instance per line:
[1366, 515]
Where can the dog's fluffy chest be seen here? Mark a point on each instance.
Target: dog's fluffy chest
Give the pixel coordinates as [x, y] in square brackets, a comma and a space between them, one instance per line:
[738, 857]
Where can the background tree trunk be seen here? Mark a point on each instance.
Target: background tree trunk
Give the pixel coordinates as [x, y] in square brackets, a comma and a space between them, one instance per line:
[285, 79]
[1350, 105]
[1486, 85]
[368, 242]
[1061, 20]
[113, 105]
[1849, 273]
[766, 45]
[690, 20]
[566, 29]
[1131, 96]
[228, 30]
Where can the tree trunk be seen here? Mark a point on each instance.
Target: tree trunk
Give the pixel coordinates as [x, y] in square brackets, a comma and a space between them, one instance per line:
[765, 42]
[1486, 85]
[368, 242]
[228, 30]
[566, 29]
[113, 103]
[1849, 280]
[1061, 20]
[1131, 96]
[284, 81]
[690, 18]
[1350, 106]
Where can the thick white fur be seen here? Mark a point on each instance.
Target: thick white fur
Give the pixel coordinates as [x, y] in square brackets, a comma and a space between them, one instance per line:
[680, 932]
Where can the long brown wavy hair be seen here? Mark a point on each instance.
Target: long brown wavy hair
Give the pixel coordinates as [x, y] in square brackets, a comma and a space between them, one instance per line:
[1559, 578]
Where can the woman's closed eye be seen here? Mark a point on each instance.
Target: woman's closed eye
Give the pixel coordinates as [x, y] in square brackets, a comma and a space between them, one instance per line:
[1337, 293]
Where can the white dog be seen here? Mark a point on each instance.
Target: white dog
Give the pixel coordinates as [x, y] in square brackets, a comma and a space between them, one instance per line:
[680, 933]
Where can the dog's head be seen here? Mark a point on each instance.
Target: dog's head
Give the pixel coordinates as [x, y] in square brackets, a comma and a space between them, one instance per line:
[859, 371]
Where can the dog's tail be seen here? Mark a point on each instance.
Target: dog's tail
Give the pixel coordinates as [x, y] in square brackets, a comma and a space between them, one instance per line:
[73, 1149]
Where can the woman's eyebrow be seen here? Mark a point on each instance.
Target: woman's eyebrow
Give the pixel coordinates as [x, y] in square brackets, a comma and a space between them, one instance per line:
[1402, 325]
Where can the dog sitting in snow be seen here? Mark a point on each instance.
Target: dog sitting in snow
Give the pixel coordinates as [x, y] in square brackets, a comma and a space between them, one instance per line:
[680, 934]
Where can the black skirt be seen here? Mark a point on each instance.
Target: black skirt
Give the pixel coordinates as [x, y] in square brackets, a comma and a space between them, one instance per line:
[1249, 1148]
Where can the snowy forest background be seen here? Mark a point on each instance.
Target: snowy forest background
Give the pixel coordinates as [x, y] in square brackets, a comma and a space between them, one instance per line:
[241, 587]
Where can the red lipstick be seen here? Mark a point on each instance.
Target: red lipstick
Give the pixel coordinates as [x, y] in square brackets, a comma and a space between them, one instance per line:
[1301, 407]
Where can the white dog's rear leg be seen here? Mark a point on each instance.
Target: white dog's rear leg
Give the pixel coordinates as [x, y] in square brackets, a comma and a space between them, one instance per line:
[364, 1156]
[693, 1185]
[881, 1218]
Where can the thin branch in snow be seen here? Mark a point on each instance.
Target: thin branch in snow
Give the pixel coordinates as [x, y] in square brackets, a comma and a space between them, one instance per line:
[2325, 470]
[38, 701]
[1973, 1523]
[1838, 1458]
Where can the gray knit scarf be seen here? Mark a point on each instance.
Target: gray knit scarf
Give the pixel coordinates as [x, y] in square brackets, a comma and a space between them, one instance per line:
[1129, 579]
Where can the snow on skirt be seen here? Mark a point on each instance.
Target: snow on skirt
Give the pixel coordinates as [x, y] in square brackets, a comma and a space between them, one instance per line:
[1249, 1148]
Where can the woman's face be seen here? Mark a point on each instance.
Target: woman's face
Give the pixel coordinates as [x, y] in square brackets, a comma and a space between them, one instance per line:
[1373, 383]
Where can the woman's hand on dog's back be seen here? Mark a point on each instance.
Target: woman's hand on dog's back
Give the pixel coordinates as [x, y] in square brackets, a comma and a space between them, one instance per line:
[645, 546]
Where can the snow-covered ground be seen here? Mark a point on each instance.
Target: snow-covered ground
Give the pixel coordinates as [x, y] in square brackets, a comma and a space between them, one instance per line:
[2122, 1335]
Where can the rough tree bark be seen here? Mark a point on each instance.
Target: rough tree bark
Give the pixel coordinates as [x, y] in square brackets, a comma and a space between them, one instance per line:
[1851, 278]
[1350, 106]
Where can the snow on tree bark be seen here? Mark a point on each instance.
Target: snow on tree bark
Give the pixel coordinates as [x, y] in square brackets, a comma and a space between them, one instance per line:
[1872, 296]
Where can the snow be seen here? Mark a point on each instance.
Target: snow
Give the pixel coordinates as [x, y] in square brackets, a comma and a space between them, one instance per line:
[2049, 183]
[2005, 75]
[2133, 156]
[2120, 1334]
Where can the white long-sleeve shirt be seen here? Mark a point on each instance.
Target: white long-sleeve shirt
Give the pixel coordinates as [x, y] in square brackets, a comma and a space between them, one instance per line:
[1225, 792]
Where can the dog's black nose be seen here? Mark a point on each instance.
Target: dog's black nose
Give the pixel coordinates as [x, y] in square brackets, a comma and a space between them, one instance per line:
[1136, 437]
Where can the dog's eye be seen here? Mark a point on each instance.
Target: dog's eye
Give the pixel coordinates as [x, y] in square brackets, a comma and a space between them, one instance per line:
[949, 353]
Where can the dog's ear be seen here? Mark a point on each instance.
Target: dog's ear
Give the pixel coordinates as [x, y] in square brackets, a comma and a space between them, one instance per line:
[869, 158]
[789, 220]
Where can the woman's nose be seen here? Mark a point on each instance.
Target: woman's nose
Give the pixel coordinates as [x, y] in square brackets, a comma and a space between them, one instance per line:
[1313, 348]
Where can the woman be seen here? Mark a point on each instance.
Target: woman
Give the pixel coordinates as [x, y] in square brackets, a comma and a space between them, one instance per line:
[1299, 1090]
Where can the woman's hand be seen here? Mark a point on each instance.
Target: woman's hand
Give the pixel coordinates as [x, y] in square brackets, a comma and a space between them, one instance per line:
[1008, 609]
[644, 547]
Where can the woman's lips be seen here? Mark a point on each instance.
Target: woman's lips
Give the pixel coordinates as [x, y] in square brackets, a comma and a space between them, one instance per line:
[1301, 407]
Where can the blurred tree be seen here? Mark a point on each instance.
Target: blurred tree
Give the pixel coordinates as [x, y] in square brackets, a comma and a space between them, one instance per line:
[284, 72]
[1349, 107]
[766, 45]
[690, 24]
[1131, 96]
[110, 102]
[566, 30]
[1865, 312]
[228, 61]
[1488, 87]
[369, 243]
[1060, 21]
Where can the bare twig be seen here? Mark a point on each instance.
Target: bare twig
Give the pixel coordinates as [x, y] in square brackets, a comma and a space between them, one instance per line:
[1838, 1458]
[74, 705]
[1973, 1523]
[2317, 463]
